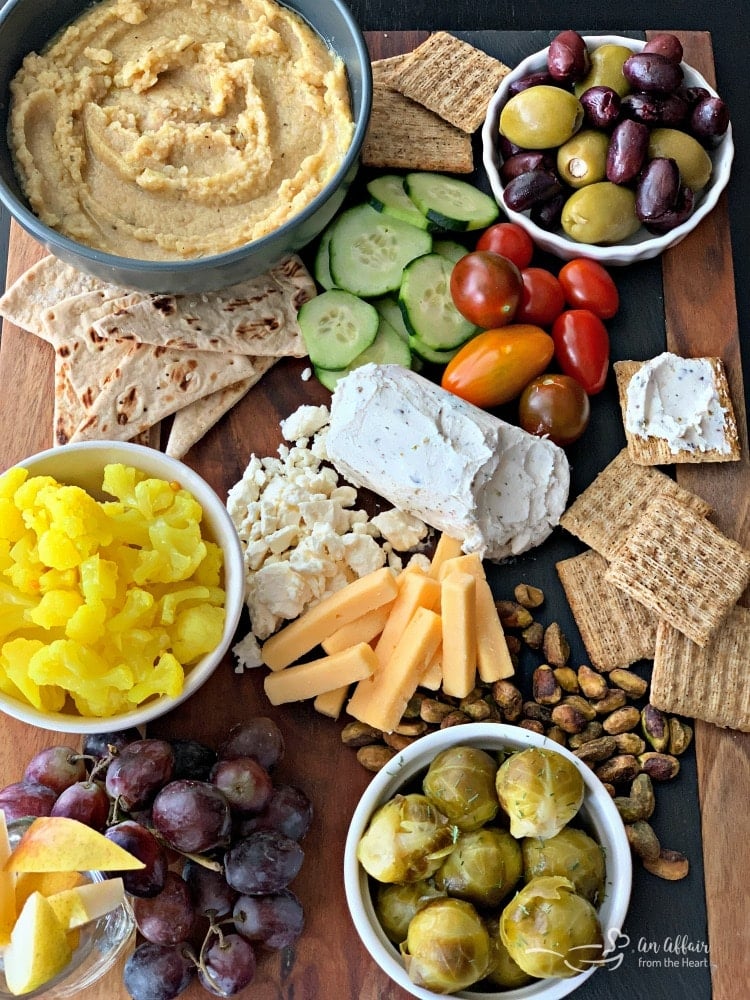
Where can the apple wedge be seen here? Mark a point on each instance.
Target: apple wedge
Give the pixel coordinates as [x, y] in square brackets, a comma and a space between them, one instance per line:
[38, 948]
[48, 883]
[7, 887]
[57, 844]
[76, 907]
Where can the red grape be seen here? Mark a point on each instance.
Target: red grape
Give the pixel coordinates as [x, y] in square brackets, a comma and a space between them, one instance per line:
[246, 784]
[99, 745]
[139, 771]
[169, 917]
[26, 798]
[192, 759]
[192, 816]
[209, 890]
[86, 801]
[228, 965]
[262, 863]
[134, 837]
[289, 811]
[275, 921]
[259, 737]
[57, 767]
[158, 972]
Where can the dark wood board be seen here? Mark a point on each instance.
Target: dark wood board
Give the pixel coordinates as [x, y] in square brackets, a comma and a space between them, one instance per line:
[670, 924]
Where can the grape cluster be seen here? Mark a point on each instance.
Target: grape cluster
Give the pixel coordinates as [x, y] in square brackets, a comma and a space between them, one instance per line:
[218, 835]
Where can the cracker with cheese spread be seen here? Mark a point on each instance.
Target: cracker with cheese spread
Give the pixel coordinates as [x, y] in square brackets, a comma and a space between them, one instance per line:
[677, 410]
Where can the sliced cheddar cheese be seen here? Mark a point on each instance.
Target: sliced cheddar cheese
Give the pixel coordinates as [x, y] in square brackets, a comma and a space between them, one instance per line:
[331, 703]
[363, 629]
[459, 613]
[446, 548]
[381, 700]
[307, 680]
[493, 658]
[309, 630]
[415, 591]
[432, 678]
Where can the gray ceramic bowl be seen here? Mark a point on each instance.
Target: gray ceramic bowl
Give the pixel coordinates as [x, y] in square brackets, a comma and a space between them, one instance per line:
[27, 25]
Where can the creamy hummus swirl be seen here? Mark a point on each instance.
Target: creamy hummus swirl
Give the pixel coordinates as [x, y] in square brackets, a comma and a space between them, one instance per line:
[164, 129]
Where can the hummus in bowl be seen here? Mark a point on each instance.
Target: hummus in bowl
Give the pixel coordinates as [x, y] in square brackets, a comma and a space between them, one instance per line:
[178, 129]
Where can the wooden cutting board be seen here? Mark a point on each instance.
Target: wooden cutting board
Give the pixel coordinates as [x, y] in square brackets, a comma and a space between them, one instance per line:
[699, 318]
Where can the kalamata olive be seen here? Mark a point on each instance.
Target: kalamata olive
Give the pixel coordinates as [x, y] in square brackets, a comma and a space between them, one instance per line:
[601, 106]
[529, 188]
[681, 212]
[583, 159]
[692, 94]
[606, 69]
[507, 148]
[530, 80]
[709, 120]
[602, 213]
[627, 149]
[521, 163]
[652, 73]
[692, 159]
[654, 109]
[567, 57]
[546, 214]
[667, 45]
[658, 189]
[541, 117]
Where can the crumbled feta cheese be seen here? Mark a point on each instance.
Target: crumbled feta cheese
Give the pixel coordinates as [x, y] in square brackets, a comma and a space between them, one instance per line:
[247, 652]
[403, 531]
[304, 422]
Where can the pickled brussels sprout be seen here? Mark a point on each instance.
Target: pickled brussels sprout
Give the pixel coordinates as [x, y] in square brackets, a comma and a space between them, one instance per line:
[406, 840]
[540, 790]
[570, 853]
[460, 782]
[503, 971]
[395, 905]
[447, 947]
[483, 868]
[549, 930]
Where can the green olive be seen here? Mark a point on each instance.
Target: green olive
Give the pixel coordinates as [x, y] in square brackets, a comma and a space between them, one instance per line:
[606, 70]
[600, 213]
[583, 159]
[692, 159]
[541, 117]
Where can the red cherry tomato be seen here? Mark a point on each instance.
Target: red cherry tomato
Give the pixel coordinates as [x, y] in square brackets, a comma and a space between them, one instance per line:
[542, 299]
[510, 240]
[587, 285]
[493, 367]
[582, 348]
[554, 406]
[486, 288]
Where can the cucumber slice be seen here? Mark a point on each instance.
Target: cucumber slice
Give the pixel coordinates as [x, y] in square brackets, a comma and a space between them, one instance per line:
[336, 326]
[387, 195]
[421, 350]
[427, 305]
[390, 310]
[369, 250]
[321, 265]
[449, 248]
[449, 203]
[386, 349]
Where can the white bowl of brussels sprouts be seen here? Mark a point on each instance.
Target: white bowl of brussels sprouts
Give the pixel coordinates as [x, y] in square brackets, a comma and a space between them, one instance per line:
[602, 200]
[459, 841]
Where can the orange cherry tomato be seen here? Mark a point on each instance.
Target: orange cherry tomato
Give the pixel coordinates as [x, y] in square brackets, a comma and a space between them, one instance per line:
[495, 366]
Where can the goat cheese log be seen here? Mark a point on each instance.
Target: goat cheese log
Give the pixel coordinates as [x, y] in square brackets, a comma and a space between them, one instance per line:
[490, 484]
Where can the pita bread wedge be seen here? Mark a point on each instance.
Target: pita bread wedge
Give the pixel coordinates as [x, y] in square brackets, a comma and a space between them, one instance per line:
[151, 383]
[68, 408]
[255, 317]
[40, 288]
[73, 316]
[89, 367]
[192, 422]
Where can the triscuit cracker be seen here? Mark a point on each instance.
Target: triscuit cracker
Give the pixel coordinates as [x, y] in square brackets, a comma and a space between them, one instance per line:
[450, 77]
[403, 135]
[615, 629]
[682, 568]
[652, 450]
[708, 683]
[603, 514]
[383, 69]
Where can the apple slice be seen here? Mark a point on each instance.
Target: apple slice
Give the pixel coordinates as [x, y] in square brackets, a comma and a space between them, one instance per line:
[60, 844]
[7, 887]
[76, 907]
[47, 883]
[38, 948]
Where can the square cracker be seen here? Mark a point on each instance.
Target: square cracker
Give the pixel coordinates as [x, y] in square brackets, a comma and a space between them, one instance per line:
[656, 451]
[450, 77]
[615, 629]
[404, 135]
[603, 514]
[682, 568]
[708, 683]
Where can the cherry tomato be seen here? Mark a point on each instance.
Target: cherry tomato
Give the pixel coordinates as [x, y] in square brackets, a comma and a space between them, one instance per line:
[587, 285]
[554, 406]
[510, 240]
[486, 288]
[493, 367]
[542, 298]
[582, 348]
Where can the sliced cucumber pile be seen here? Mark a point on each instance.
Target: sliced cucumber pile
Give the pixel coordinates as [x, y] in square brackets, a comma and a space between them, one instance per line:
[382, 255]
